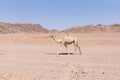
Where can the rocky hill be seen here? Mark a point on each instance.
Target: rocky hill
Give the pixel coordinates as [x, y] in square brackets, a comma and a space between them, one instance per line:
[8, 28]
[94, 28]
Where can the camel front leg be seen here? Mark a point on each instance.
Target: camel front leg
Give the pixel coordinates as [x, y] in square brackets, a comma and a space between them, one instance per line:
[59, 50]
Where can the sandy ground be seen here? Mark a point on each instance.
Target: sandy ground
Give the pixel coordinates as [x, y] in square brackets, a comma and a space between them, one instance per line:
[33, 57]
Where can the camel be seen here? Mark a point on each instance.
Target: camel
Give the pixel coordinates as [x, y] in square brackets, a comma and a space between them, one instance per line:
[66, 40]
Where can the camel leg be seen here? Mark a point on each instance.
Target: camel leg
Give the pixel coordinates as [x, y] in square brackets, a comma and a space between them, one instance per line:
[59, 49]
[75, 48]
[67, 49]
[79, 49]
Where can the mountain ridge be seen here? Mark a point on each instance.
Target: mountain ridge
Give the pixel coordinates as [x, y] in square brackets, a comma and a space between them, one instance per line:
[94, 28]
[8, 28]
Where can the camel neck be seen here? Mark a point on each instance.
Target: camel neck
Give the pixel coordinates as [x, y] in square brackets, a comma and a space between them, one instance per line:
[56, 40]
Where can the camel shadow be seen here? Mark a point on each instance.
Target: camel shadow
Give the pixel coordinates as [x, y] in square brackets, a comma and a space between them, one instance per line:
[63, 53]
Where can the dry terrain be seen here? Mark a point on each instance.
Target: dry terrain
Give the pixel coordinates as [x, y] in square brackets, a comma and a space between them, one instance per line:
[33, 57]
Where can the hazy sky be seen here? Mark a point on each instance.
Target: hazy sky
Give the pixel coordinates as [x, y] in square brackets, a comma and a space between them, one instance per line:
[60, 14]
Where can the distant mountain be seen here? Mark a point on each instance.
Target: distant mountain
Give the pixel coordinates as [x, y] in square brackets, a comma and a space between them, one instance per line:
[94, 28]
[8, 28]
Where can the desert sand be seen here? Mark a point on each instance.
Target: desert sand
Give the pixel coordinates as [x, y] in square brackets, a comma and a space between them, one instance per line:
[33, 57]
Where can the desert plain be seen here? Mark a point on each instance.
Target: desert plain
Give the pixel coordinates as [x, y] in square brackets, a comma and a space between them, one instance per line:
[33, 57]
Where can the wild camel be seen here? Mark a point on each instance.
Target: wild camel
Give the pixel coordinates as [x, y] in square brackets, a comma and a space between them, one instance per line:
[66, 40]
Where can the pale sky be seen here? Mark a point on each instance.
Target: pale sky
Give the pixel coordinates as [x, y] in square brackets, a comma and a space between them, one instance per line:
[60, 14]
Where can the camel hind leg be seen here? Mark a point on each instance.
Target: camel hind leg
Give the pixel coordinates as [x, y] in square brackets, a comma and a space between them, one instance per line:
[79, 49]
[76, 45]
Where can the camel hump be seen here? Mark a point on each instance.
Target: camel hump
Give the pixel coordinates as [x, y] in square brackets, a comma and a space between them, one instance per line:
[68, 38]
